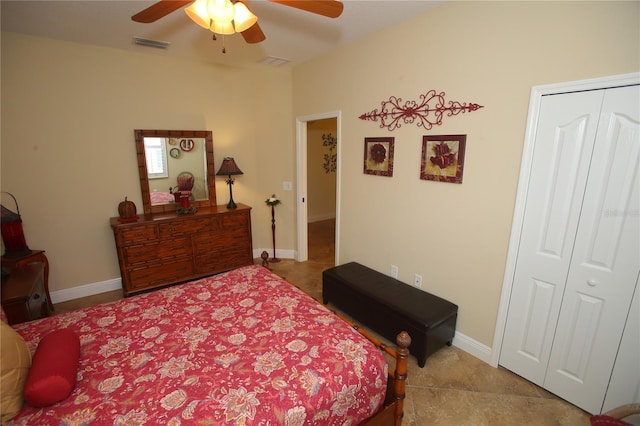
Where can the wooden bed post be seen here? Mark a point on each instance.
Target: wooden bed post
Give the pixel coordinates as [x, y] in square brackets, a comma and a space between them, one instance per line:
[404, 341]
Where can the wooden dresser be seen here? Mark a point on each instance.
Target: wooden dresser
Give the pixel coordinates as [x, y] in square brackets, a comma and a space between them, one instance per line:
[162, 249]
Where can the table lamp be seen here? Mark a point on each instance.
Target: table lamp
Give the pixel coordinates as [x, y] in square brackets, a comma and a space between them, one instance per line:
[229, 168]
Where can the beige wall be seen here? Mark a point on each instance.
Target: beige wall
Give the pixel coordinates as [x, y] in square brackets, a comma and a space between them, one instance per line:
[68, 152]
[491, 53]
[321, 186]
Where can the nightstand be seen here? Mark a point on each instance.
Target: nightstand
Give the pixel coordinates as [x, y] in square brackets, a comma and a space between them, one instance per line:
[11, 262]
[23, 293]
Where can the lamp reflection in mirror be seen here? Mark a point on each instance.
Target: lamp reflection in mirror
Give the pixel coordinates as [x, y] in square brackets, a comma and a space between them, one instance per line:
[229, 168]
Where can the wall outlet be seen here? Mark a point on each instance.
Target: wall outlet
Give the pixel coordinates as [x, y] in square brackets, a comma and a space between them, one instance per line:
[287, 186]
[417, 281]
[394, 271]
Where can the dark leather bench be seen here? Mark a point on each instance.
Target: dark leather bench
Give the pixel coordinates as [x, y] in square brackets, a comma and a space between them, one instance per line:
[389, 306]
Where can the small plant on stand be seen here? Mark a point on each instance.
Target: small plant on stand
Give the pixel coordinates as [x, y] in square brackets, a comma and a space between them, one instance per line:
[273, 202]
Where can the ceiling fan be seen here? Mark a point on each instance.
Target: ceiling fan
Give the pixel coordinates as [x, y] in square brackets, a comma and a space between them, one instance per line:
[231, 16]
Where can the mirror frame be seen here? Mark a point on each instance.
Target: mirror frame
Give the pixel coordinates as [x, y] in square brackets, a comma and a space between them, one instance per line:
[142, 167]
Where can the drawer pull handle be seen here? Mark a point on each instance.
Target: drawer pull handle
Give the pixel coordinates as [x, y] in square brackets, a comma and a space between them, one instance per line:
[36, 296]
[592, 283]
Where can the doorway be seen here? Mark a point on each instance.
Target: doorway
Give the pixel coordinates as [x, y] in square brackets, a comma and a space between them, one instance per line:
[318, 183]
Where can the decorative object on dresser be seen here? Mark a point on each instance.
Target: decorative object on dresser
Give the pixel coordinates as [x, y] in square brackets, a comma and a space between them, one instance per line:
[12, 233]
[24, 297]
[32, 256]
[273, 202]
[229, 168]
[127, 211]
[185, 191]
[164, 249]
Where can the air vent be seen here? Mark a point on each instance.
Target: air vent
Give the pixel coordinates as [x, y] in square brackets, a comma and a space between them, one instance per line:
[274, 62]
[150, 43]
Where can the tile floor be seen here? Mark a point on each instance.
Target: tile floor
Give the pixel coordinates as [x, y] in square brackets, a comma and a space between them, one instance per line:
[454, 388]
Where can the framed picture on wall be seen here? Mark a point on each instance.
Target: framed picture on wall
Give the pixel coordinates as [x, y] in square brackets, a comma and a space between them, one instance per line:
[378, 156]
[443, 158]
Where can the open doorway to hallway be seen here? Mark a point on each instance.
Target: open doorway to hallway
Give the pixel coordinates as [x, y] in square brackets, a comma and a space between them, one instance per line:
[322, 156]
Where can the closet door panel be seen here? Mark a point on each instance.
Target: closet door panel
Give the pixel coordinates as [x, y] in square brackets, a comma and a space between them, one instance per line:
[624, 387]
[564, 139]
[606, 259]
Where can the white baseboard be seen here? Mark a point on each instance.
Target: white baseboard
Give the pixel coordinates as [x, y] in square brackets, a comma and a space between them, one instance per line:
[280, 254]
[85, 290]
[473, 347]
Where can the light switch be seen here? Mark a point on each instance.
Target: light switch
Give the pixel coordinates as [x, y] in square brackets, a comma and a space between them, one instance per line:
[287, 186]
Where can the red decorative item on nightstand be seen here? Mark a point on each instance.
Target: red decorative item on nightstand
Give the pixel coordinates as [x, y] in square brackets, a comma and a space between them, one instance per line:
[12, 233]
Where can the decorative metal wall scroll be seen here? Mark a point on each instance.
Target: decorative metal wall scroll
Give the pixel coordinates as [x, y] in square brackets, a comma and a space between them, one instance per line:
[427, 113]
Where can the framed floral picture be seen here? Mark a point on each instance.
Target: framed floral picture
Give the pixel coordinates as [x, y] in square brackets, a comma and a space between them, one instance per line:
[443, 158]
[378, 156]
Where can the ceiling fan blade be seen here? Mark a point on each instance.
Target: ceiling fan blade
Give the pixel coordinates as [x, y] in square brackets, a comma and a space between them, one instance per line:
[328, 8]
[253, 34]
[159, 10]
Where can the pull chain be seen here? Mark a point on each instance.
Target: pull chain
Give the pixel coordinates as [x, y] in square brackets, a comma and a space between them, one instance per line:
[214, 38]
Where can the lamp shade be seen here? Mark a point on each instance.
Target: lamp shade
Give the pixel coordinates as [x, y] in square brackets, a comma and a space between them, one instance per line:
[243, 18]
[220, 27]
[229, 168]
[198, 13]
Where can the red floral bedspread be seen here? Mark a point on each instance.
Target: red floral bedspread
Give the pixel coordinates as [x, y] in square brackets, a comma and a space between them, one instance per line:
[240, 348]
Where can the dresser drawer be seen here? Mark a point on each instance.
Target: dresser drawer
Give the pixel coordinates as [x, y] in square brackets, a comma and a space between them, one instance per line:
[219, 240]
[160, 273]
[223, 260]
[134, 234]
[234, 221]
[157, 251]
[168, 230]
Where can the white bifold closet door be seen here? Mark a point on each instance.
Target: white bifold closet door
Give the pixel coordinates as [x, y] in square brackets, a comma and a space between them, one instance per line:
[578, 258]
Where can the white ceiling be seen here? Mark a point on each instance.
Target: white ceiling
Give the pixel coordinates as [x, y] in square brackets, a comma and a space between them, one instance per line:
[294, 35]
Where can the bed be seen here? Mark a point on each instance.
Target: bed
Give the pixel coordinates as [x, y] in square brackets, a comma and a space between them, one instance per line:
[159, 197]
[239, 348]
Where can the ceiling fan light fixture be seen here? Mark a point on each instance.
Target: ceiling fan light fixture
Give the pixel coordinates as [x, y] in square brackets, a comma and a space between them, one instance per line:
[224, 28]
[243, 19]
[221, 10]
[197, 11]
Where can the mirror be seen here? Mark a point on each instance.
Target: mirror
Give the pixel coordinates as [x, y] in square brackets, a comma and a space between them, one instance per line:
[169, 157]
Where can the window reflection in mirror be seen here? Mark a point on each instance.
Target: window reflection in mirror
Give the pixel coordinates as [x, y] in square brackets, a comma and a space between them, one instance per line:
[155, 151]
[166, 159]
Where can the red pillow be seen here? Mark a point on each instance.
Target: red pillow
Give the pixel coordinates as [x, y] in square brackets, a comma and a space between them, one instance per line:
[603, 420]
[53, 369]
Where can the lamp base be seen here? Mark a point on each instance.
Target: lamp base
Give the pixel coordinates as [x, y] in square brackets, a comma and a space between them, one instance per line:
[231, 204]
